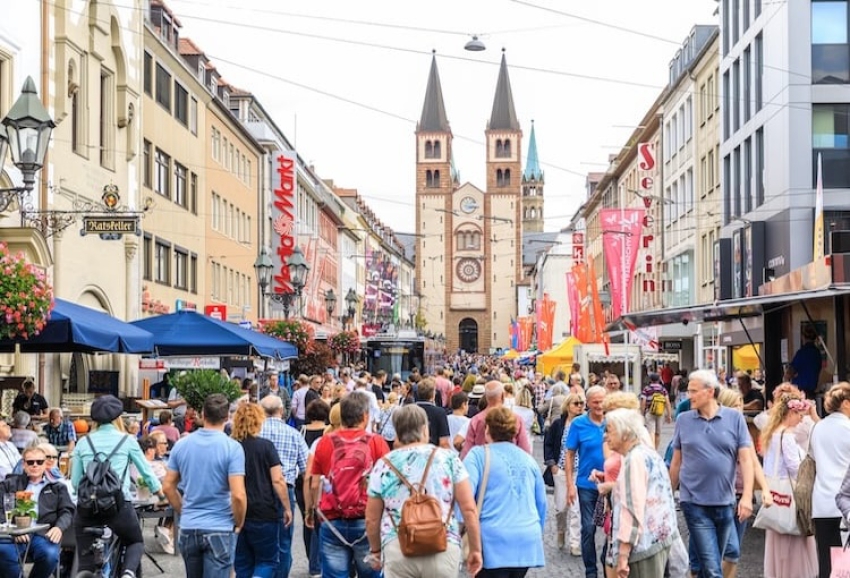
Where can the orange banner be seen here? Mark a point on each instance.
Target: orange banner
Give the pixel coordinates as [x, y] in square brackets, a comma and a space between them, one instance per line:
[545, 319]
[585, 331]
[598, 323]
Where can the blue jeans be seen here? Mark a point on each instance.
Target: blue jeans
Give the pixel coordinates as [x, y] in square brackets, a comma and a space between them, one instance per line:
[337, 556]
[257, 549]
[285, 542]
[315, 563]
[710, 528]
[207, 554]
[587, 503]
[43, 553]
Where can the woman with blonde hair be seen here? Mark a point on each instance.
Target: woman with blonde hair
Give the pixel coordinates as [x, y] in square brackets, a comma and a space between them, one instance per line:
[257, 551]
[385, 419]
[786, 556]
[567, 517]
[830, 447]
[524, 408]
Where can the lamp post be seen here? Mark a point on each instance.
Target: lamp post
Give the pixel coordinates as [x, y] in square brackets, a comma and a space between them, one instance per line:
[298, 269]
[330, 303]
[26, 133]
[351, 301]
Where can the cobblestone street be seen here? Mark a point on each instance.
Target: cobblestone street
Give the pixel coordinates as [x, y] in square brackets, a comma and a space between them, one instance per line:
[558, 563]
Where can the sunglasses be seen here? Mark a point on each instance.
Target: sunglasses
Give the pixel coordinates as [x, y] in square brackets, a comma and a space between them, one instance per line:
[51, 457]
[577, 403]
[162, 443]
[34, 462]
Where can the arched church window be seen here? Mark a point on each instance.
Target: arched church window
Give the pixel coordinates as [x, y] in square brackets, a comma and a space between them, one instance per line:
[429, 149]
[437, 152]
[436, 180]
[506, 148]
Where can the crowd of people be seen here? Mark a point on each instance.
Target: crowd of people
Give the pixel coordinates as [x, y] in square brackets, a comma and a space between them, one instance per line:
[351, 450]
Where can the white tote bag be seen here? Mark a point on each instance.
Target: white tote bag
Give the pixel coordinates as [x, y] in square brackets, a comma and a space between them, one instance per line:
[781, 517]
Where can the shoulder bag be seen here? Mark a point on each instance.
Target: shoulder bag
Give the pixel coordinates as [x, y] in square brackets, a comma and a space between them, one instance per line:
[464, 540]
[781, 517]
[803, 491]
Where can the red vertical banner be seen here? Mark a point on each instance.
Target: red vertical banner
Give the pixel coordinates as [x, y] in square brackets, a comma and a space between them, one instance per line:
[526, 326]
[584, 332]
[545, 319]
[572, 299]
[598, 324]
[620, 242]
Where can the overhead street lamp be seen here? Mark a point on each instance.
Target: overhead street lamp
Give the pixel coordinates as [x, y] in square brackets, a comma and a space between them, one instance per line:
[298, 269]
[26, 132]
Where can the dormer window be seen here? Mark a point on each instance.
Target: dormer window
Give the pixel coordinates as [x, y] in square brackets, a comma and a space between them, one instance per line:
[201, 70]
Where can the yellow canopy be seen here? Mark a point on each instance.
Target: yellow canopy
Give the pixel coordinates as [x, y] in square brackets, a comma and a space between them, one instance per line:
[745, 357]
[510, 354]
[560, 357]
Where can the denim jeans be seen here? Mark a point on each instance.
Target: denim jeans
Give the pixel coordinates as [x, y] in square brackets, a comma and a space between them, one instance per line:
[285, 541]
[207, 554]
[587, 503]
[43, 553]
[337, 556]
[257, 549]
[315, 563]
[710, 528]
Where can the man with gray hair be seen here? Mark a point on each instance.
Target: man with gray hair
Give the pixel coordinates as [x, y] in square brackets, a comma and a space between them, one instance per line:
[708, 443]
[494, 392]
[292, 449]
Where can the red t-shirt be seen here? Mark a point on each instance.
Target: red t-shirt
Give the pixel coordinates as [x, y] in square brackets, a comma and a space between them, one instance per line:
[322, 459]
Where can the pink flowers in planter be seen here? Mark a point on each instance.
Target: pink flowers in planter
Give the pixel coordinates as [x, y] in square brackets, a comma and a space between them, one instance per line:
[26, 298]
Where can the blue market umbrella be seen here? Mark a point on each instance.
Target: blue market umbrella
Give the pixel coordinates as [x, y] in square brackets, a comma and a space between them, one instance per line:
[74, 328]
[190, 333]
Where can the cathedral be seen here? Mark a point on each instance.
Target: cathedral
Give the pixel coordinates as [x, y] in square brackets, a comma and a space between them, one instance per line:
[469, 239]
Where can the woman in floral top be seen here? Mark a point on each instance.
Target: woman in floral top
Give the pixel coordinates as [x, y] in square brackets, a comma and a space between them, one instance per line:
[644, 519]
[448, 481]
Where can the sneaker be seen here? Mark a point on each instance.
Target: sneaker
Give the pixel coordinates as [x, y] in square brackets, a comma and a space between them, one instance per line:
[166, 542]
[575, 551]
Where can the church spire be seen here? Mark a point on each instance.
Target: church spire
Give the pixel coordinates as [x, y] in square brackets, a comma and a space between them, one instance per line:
[532, 163]
[504, 114]
[434, 110]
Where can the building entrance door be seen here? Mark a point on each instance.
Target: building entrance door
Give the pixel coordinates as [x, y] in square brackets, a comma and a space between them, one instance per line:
[468, 335]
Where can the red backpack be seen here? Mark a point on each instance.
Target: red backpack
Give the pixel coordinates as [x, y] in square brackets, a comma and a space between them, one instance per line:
[345, 486]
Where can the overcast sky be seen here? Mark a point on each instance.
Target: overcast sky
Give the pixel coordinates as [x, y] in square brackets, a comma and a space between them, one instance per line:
[349, 92]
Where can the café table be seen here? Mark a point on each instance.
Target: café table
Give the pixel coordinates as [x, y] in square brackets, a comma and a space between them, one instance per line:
[8, 534]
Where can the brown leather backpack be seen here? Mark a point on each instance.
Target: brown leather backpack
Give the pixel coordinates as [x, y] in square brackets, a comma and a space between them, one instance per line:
[421, 530]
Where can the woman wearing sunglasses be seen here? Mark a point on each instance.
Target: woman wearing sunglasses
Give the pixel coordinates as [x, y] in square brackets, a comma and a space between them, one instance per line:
[54, 508]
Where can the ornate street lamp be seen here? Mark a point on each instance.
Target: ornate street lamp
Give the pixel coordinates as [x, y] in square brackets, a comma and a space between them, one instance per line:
[351, 301]
[330, 303]
[26, 133]
[298, 269]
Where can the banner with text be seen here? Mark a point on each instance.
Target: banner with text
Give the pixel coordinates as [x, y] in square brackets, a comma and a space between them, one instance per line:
[620, 242]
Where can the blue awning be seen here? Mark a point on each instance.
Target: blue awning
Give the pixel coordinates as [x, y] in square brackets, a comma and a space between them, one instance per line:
[190, 333]
[74, 328]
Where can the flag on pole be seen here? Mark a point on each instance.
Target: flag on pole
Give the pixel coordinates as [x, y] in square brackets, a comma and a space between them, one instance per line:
[818, 249]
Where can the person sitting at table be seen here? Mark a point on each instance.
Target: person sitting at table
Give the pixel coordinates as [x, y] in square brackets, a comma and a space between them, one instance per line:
[753, 398]
[188, 422]
[166, 426]
[54, 507]
[60, 431]
[29, 401]
[9, 454]
[22, 436]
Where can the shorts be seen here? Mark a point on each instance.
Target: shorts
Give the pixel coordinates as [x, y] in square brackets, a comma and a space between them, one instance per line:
[653, 423]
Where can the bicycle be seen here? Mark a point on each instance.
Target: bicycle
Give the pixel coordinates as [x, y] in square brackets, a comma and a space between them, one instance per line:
[108, 554]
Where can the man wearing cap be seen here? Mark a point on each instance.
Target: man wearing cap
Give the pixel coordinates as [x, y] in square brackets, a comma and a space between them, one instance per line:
[105, 411]
[494, 391]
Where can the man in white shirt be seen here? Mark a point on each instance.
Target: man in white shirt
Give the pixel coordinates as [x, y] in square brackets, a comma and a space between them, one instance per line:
[9, 455]
[374, 409]
[299, 401]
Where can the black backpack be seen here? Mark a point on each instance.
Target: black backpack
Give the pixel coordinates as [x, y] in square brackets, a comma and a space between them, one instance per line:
[100, 493]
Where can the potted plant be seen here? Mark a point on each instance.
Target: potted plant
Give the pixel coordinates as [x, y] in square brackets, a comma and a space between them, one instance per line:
[194, 386]
[26, 298]
[143, 492]
[24, 510]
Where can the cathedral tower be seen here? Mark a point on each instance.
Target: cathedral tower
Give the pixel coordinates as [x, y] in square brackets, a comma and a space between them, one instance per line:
[435, 182]
[532, 189]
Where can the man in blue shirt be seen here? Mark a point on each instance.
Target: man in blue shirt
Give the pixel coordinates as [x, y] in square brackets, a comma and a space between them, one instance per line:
[708, 443]
[211, 467]
[807, 363]
[585, 439]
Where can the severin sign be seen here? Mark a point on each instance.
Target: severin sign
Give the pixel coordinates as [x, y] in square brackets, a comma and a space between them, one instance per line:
[283, 222]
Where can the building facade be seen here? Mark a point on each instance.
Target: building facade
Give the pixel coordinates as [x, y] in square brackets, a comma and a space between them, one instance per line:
[468, 260]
